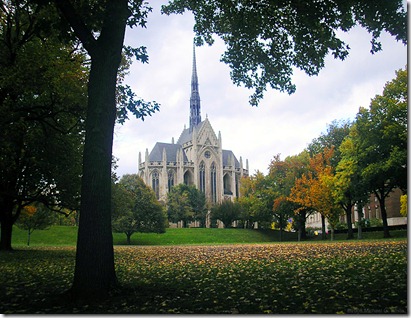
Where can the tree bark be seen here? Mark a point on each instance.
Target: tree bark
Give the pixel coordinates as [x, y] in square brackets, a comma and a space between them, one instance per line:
[94, 274]
[7, 220]
[94, 270]
[350, 233]
[384, 218]
[359, 212]
[323, 234]
[6, 234]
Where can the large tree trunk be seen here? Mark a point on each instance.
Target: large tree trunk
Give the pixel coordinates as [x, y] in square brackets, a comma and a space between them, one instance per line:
[94, 274]
[6, 232]
[7, 220]
[94, 271]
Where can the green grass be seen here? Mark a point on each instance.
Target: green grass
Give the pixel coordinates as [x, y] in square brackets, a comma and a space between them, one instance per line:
[54, 236]
[67, 236]
[367, 277]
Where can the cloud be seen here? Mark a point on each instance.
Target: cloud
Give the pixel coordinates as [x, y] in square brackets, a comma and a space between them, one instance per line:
[282, 123]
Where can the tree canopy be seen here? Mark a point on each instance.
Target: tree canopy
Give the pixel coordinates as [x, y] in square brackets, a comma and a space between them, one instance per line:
[227, 212]
[381, 140]
[135, 207]
[186, 203]
[265, 40]
[42, 110]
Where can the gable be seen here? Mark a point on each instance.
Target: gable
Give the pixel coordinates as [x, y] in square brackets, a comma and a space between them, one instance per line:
[206, 135]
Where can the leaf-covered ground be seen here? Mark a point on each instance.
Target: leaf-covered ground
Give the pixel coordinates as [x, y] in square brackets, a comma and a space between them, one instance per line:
[343, 277]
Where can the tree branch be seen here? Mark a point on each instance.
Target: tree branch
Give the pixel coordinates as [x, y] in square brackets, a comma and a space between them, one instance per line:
[80, 29]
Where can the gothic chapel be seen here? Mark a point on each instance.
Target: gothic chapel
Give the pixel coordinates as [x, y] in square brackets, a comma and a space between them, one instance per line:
[196, 159]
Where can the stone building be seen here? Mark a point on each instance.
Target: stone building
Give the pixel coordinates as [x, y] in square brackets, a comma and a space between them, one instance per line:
[197, 158]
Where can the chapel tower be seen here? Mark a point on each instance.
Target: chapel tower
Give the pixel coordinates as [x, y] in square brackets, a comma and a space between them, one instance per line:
[196, 158]
[195, 115]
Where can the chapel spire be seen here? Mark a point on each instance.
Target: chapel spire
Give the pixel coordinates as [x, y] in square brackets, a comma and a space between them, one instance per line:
[195, 116]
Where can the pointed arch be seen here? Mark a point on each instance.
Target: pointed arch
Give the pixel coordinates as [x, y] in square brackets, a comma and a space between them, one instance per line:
[155, 183]
[227, 184]
[170, 179]
[188, 177]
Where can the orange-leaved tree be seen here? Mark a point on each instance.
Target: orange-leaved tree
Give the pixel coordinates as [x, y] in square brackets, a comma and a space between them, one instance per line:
[314, 190]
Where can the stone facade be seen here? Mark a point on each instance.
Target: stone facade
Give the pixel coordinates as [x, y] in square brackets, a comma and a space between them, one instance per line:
[197, 158]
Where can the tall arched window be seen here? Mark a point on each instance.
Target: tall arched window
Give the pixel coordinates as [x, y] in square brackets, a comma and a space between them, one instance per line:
[202, 177]
[155, 183]
[170, 179]
[213, 183]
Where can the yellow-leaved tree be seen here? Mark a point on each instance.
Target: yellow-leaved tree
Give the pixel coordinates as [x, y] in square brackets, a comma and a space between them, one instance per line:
[314, 190]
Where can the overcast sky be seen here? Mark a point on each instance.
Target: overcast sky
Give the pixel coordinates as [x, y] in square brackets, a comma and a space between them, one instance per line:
[282, 123]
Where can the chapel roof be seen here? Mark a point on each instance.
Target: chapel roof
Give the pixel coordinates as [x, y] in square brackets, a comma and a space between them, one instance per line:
[226, 155]
[171, 152]
[187, 135]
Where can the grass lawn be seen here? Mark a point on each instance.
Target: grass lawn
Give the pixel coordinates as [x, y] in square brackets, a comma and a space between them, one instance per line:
[367, 277]
[218, 271]
[67, 236]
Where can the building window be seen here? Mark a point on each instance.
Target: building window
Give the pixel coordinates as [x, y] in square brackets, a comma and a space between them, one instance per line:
[170, 179]
[188, 178]
[202, 177]
[227, 184]
[207, 154]
[155, 183]
[213, 183]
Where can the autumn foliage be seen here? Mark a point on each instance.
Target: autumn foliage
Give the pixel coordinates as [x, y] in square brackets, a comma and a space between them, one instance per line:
[314, 190]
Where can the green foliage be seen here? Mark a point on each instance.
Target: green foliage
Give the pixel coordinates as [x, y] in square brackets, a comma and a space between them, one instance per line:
[135, 207]
[265, 40]
[382, 137]
[43, 96]
[381, 142]
[239, 279]
[227, 212]
[186, 203]
[337, 131]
